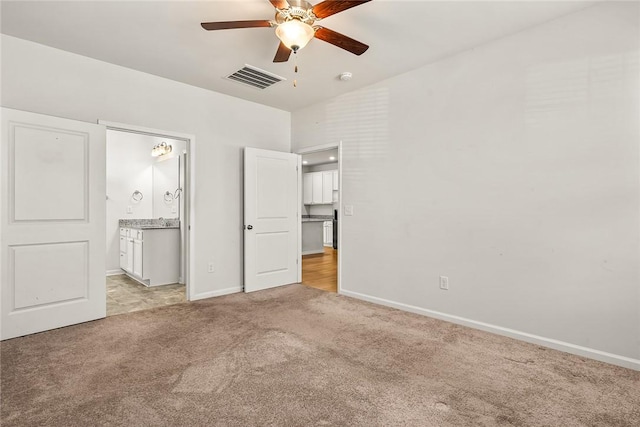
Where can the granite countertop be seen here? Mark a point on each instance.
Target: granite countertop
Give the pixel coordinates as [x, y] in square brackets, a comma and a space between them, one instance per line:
[150, 224]
[316, 218]
[154, 227]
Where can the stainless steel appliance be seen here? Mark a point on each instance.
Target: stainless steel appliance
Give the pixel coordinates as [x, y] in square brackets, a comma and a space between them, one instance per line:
[335, 229]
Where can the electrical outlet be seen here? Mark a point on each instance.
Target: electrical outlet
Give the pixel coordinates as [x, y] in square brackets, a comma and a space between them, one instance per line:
[444, 283]
[210, 268]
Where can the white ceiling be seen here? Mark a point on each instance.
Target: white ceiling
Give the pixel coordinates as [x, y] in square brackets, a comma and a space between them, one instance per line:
[320, 157]
[165, 39]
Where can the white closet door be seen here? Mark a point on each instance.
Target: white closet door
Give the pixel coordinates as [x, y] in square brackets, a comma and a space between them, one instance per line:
[52, 254]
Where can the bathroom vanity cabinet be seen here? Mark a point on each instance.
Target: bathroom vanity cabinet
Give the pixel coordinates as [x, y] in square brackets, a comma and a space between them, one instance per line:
[151, 256]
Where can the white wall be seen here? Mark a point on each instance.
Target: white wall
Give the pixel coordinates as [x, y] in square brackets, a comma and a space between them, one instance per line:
[130, 167]
[513, 169]
[50, 81]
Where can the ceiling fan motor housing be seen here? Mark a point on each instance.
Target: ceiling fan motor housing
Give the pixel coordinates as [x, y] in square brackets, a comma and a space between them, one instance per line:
[298, 9]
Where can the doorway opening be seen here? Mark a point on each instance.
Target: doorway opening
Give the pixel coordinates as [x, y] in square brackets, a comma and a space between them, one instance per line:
[319, 217]
[147, 215]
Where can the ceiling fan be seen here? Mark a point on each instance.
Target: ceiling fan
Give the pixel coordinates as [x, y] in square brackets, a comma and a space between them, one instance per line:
[295, 23]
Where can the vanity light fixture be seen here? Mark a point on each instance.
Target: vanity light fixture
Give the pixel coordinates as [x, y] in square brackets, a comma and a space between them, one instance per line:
[304, 162]
[332, 158]
[161, 149]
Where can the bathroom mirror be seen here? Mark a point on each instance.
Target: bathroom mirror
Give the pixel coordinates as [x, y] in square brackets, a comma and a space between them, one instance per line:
[166, 188]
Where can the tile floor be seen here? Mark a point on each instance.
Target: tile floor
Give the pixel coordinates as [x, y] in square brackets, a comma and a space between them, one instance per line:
[125, 295]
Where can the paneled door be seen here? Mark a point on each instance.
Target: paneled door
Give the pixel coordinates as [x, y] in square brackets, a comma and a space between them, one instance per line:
[52, 213]
[271, 222]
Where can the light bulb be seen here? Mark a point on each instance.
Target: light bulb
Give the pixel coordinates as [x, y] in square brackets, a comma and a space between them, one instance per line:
[295, 34]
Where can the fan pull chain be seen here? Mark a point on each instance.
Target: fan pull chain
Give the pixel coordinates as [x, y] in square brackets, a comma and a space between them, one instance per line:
[295, 68]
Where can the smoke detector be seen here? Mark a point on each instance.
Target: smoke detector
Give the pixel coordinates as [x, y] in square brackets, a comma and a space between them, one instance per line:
[346, 76]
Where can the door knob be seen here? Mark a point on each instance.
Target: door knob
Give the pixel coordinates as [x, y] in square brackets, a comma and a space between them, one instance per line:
[249, 227]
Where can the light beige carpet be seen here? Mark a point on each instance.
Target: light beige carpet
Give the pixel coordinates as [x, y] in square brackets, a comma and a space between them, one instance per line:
[295, 356]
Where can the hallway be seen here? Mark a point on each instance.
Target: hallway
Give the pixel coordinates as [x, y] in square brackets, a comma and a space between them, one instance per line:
[320, 271]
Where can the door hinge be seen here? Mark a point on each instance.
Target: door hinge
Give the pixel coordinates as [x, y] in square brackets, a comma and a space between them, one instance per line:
[296, 168]
[296, 261]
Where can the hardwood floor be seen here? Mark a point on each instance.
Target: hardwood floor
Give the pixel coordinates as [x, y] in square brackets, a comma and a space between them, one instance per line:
[320, 271]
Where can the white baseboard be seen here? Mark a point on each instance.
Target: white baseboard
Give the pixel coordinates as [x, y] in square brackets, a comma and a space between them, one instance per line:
[321, 251]
[217, 293]
[115, 272]
[614, 359]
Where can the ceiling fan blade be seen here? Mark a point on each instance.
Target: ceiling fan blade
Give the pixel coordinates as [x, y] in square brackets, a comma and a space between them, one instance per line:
[331, 7]
[280, 4]
[235, 24]
[283, 53]
[340, 40]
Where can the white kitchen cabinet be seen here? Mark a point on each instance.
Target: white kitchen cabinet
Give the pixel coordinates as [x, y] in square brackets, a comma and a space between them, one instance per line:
[316, 192]
[307, 188]
[151, 256]
[318, 187]
[328, 233]
[312, 237]
[335, 180]
[327, 187]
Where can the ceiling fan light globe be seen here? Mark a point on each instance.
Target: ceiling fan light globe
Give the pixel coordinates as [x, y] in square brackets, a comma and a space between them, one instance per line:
[295, 33]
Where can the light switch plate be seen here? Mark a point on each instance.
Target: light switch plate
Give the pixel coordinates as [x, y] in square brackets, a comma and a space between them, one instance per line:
[348, 210]
[129, 209]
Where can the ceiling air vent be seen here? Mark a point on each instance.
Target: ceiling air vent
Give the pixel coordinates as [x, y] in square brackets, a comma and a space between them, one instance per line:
[255, 77]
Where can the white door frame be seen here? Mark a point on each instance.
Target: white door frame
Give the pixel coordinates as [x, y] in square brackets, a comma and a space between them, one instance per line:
[315, 149]
[189, 214]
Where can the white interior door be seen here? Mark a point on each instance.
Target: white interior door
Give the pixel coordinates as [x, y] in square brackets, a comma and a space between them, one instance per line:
[52, 221]
[271, 223]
